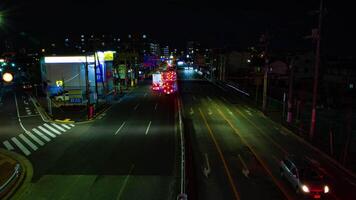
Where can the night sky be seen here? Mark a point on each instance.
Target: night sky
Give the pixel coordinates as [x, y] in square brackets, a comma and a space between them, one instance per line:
[235, 24]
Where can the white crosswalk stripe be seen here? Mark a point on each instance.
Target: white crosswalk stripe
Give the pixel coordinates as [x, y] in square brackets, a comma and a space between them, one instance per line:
[65, 126]
[58, 127]
[8, 145]
[72, 125]
[52, 129]
[27, 141]
[47, 131]
[20, 146]
[41, 135]
[34, 138]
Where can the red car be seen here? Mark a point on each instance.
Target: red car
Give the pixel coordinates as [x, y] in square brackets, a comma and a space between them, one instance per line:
[156, 86]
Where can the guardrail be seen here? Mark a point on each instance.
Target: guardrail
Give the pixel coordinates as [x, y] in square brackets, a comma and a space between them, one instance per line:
[182, 195]
[15, 174]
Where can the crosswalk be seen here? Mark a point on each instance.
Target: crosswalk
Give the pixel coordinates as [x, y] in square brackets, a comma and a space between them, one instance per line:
[30, 141]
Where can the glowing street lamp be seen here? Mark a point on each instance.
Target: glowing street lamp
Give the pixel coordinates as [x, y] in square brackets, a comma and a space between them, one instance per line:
[7, 77]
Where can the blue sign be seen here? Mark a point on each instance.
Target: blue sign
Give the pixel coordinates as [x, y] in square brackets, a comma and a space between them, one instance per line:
[75, 100]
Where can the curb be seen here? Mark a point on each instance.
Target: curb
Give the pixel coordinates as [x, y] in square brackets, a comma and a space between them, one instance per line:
[25, 177]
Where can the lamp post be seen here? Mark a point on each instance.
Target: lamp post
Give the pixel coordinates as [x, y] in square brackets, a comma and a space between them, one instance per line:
[316, 74]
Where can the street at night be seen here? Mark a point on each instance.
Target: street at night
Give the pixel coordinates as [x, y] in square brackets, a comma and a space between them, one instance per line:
[177, 100]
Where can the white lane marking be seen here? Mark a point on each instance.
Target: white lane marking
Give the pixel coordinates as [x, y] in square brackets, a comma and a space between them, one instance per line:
[72, 125]
[281, 131]
[58, 127]
[118, 130]
[148, 127]
[29, 115]
[8, 145]
[352, 183]
[18, 115]
[125, 182]
[52, 129]
[35, 138]
[27, 141]
[209, 98]
[41, 134]
[209, 111]
[20, 146]
[27, 108]
[156, 106]
[207, 169]
[245, 169]
[248, 112]
[47, 132]
[191, 111]
[224, 99]
[65, 126]
[135, 108]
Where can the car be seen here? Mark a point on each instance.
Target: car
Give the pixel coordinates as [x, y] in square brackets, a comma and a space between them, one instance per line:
[304, 177]
[26, 86]
[169, 87]
[156, 86]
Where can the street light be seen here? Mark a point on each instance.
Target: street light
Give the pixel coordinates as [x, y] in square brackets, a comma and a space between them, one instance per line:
[7, 77]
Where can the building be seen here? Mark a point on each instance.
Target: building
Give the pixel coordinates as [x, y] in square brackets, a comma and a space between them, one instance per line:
[71, 74]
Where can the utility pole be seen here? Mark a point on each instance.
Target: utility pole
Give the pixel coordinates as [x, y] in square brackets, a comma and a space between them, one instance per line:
[96, 81]
[316, 74]
[87, 85]
[264, 39]
[290, 92]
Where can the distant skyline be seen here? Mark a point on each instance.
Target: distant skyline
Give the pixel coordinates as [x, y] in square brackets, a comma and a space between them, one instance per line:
[219, 23]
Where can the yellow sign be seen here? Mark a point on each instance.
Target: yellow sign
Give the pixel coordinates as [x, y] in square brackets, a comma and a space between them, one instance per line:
[109, 55]
[59, 83]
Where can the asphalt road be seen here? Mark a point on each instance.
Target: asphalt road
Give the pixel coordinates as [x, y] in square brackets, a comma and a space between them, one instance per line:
[228, 137]
[129, 153]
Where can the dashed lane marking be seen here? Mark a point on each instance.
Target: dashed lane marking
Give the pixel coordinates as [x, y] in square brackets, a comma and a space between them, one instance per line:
[135, 108]
[148, 127]
[118, 130]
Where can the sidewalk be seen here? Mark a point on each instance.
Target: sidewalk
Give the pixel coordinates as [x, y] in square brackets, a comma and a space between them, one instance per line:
[77, 113]
[13, 172]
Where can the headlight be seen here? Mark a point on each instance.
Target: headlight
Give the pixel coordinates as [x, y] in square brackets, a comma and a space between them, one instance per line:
[326, 189]
[305, 189]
